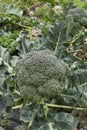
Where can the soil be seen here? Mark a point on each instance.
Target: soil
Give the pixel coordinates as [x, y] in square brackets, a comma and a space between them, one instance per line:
[82, 126]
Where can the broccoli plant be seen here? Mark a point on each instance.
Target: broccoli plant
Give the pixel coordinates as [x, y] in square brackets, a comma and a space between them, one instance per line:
[79, 15]
[39, 75]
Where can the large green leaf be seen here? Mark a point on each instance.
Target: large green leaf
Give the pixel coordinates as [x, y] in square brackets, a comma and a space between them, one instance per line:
[24, 45]
[4, 54]
[80, 76]
[2, 80]
[5, 60]
[29, 112]
[12, 9]
[83, 90]
[35, 115]
[57, 36]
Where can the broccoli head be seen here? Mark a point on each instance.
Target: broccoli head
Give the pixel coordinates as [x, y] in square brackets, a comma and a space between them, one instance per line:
[40, 74]
[79, 15]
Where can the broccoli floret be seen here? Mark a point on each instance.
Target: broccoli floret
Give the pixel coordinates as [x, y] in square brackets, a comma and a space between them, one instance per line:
[83, 21]
[78, 10]
[86, 14]
[40, 74]
[50, 88]
[29, 93]
[78, 15]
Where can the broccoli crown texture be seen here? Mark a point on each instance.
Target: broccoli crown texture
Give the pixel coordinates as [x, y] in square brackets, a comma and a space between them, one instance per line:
[40, 74]
[79, 15]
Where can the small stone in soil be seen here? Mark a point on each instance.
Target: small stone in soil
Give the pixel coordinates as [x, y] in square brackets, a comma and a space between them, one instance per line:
[1, 128]
[20, 127]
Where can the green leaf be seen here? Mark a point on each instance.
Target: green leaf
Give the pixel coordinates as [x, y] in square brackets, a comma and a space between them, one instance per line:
[24, 45]
[83, 90]
[48, 126]
[2, 80]
[5, 60]
[8, 100]
[80, 76]
[57, 36]
[65, 121]
[4, 54]
[11, 9]
[14, 60]
[52, 2]
[27, 114]
[64, 126]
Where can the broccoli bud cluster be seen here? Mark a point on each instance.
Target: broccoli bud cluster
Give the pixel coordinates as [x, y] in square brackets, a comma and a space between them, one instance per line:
[40, 74]
[79, 16]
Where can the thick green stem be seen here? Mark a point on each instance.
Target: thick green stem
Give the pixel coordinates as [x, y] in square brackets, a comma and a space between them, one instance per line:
[57, 43]
[65, 107]
[64, 95]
